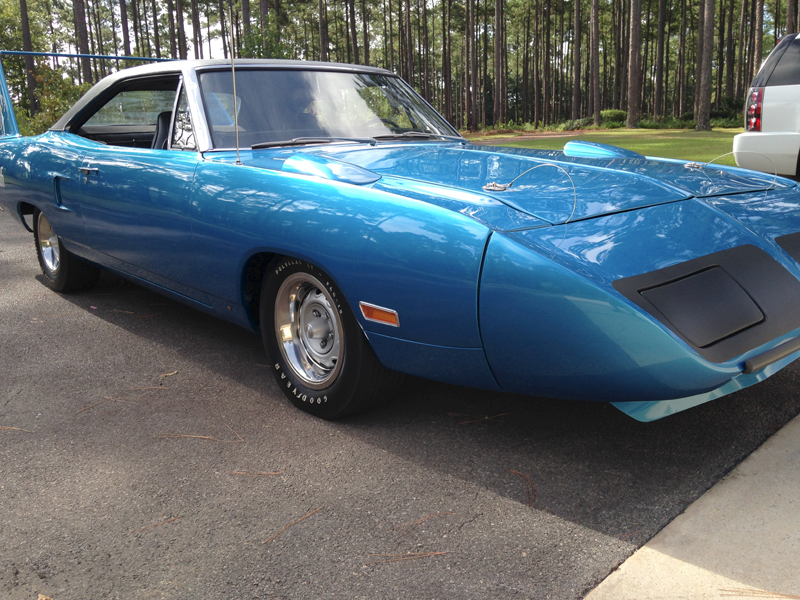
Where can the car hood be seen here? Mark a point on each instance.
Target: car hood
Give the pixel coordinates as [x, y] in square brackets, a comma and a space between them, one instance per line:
[548, 185]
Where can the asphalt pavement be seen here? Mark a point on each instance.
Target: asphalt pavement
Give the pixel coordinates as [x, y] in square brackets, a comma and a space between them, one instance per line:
[145, 452]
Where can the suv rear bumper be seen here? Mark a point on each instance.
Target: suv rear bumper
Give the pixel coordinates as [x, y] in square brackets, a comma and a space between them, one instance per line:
[767, 151]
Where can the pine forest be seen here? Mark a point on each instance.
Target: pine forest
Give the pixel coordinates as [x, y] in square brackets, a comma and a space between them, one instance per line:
[482, 64]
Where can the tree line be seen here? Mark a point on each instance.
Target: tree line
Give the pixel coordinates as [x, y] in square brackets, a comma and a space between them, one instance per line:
[481, 63]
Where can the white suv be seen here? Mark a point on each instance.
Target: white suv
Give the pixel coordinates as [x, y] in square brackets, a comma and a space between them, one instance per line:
[771, 141]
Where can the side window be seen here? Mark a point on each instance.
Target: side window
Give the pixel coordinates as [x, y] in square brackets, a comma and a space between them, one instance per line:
[182, 132]
[133, 107]
[135, 115]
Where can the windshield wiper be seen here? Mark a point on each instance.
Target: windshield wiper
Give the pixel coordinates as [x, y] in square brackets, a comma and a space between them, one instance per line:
[421, 135]
[302, 141]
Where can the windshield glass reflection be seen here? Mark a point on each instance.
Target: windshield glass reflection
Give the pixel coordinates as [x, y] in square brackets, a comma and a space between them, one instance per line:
[282, 105]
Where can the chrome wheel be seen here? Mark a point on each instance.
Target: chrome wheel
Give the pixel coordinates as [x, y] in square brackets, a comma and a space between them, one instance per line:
[48, 244]
[309, 330]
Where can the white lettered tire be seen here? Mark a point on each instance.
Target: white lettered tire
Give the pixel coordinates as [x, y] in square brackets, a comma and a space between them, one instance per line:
[63, 272]
[318, 353]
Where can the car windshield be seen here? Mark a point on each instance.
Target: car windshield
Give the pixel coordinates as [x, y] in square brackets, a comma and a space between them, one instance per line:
[289, 105]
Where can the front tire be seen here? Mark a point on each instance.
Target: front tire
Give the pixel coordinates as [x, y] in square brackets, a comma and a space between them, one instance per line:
[63, 271]
[318, 353]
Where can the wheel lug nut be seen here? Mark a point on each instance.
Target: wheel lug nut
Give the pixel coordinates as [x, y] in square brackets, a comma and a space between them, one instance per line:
[323, 343]
[316, 313]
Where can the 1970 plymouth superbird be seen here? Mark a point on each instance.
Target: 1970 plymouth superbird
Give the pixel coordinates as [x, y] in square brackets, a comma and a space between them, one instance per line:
[331, 208]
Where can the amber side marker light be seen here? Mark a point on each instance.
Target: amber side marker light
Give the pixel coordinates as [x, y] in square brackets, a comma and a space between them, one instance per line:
[379, 314]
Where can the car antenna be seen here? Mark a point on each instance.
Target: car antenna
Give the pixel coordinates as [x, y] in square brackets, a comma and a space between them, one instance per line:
[233, 74]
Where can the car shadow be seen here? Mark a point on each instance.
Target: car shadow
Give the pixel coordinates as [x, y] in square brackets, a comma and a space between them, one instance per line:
[585, 462]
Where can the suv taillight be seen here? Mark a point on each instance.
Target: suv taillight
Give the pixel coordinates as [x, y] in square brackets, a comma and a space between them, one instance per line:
[752, 109]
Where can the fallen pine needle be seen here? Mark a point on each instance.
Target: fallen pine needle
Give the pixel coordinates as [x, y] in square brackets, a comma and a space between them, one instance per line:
[753, 593]
[255, 473]
[204, 437]
[117, 398]
[156, 525]
[475, 418]
[415, 524]
[125, 312]
[93, 405]
[107, 399]
[624, 536]
[529, 489]
[290, 524]
[396, 557]
[169, 374]
[7, 428]
[198, 437]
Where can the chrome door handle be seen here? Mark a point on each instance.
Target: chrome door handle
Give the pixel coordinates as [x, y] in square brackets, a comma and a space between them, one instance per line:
[87, 170]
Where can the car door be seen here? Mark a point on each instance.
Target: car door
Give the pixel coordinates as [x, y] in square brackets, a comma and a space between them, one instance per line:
[135, 200]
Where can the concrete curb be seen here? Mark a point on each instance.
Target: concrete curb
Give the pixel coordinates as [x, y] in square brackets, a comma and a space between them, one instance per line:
[740, 539]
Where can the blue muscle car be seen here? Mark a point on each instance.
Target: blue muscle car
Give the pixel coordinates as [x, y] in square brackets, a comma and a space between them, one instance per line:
[332, 209]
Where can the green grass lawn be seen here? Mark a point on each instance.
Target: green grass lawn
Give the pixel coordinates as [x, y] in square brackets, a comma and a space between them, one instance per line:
[702, 146]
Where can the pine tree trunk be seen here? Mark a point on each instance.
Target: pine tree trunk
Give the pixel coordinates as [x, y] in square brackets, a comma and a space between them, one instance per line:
[576, 60]
[699, 60]
[173, 41]
[596, 60]
[546, 83]
[751, 46]
[526, 67]
[704, 102]
[409, 45]
[473, 69]
[82, 39]
[324, 55]
[365, 16]
[742, 49]
[351, 6]
[484, 97]
[759, 33]
[246, 17]
[468, 62]
[537, 82]
[196, 32]
[227, 49]
[498, 60]
[645, 65]
[155, 30]
[615, 90]
[30, 65]
[263, 16]
[392, 62]
[635, 64]
[425, 53]
[730, 56]
[181, 29]
[137, 44]
[662, 25]
[682, 63]
[720, 56]
[446, 61]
